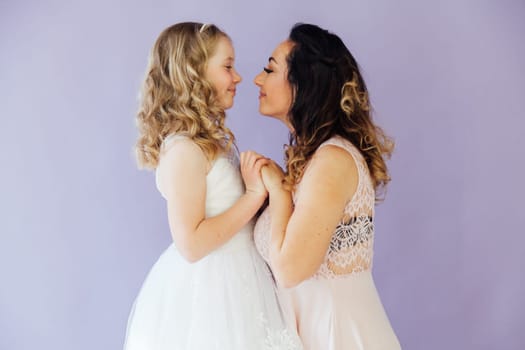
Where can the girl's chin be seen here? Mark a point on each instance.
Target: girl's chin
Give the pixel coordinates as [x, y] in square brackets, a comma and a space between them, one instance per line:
[227, 103]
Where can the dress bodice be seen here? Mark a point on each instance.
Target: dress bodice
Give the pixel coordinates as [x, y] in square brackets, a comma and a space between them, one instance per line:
[224, 184]
[351, 246]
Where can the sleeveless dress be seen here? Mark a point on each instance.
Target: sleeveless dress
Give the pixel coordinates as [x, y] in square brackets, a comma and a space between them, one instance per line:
[225, 301]
[338, 308]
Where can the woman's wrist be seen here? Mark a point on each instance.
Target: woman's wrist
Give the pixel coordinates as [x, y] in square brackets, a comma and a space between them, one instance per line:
[277, 190]
[279, 194]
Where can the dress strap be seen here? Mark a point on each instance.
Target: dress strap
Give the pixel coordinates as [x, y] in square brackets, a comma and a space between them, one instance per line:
[170, 138]
[364, 197]
[350, 148]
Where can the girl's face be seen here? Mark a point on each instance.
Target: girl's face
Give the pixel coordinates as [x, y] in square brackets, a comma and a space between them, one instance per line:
[221, 74]
[275, 97]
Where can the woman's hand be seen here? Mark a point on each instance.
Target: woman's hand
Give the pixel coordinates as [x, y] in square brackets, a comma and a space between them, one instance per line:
[272, 176]
[251, 164]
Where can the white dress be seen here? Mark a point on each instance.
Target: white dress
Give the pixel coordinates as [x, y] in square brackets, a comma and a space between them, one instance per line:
[224, 301]
[338, 308]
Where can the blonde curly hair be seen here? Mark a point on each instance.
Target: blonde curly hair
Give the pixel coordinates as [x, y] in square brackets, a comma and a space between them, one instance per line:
[330, 98]
[177, 98]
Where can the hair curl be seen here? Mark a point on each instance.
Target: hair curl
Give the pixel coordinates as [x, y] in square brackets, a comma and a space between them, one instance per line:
[330, 98]
[177, 98]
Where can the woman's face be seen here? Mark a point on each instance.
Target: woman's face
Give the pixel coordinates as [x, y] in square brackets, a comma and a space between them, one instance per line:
[221, 73]
[275, 97]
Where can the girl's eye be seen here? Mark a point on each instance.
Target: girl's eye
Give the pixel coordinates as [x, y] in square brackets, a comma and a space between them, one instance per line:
[229, 67]
[267, 70]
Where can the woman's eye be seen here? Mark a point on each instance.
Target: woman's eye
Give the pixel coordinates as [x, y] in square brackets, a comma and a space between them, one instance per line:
[267, 70]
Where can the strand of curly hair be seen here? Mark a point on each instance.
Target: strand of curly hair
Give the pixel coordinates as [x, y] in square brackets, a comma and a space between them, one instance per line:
[357, 127]
[176, 99]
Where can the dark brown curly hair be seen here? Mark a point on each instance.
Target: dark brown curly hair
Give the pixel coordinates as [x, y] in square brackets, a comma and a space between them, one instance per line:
[330, 98]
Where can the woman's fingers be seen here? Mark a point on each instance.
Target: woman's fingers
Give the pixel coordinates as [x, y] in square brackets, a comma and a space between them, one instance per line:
[261, 162]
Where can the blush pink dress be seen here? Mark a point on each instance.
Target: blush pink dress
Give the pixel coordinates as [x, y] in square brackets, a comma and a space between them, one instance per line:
[338, 308]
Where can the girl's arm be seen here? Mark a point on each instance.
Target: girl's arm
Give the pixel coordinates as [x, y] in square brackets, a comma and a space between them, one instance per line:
[300, 236]
[182, 179]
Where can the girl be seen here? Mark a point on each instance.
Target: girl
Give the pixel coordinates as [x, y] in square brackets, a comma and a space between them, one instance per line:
[209, 289]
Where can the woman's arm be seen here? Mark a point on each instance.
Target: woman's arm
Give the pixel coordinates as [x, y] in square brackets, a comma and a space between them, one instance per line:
[183, 182]
[300, 236]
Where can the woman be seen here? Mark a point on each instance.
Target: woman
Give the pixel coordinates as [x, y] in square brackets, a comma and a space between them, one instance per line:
[317, 232]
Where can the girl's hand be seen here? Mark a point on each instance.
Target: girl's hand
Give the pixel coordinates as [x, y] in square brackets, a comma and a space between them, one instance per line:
[272, 176]
[251, 164]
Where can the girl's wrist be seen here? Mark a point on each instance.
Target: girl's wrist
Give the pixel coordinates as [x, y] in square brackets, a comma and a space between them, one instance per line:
[256, 194]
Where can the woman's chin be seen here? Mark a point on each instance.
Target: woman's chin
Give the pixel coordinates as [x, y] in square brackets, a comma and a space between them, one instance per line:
[265, 112]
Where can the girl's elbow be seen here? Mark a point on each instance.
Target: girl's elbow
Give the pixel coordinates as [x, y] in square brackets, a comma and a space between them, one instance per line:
[190, 256]
[187, 251]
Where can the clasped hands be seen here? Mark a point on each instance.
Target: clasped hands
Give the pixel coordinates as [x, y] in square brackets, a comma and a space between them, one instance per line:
[261, 175]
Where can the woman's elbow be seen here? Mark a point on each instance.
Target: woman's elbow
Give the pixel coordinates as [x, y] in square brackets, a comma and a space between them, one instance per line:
[287, 281]
[289, 277]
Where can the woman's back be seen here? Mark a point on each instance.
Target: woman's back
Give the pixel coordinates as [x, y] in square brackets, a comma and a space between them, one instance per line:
[338, 307]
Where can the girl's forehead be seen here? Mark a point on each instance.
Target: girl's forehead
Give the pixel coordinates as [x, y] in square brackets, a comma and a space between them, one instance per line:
[225, 48]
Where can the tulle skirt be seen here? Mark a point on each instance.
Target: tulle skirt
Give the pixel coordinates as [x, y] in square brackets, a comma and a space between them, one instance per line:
[224, 301]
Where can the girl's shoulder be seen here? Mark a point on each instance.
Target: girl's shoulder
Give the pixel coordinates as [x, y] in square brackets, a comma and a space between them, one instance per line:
[178, 149]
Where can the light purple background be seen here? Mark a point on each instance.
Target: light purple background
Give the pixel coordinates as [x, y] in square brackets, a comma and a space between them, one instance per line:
[81, 226]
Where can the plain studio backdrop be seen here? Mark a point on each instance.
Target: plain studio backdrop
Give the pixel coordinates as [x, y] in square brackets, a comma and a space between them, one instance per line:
[81, 226]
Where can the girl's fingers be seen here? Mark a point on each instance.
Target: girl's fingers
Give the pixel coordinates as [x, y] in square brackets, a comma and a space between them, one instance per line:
[249, 158]
[243, 160]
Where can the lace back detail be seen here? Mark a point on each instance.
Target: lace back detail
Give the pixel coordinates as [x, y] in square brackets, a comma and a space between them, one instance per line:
[351, 247]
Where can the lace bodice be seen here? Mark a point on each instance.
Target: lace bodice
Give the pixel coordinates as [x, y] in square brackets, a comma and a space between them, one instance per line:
[351, 246]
